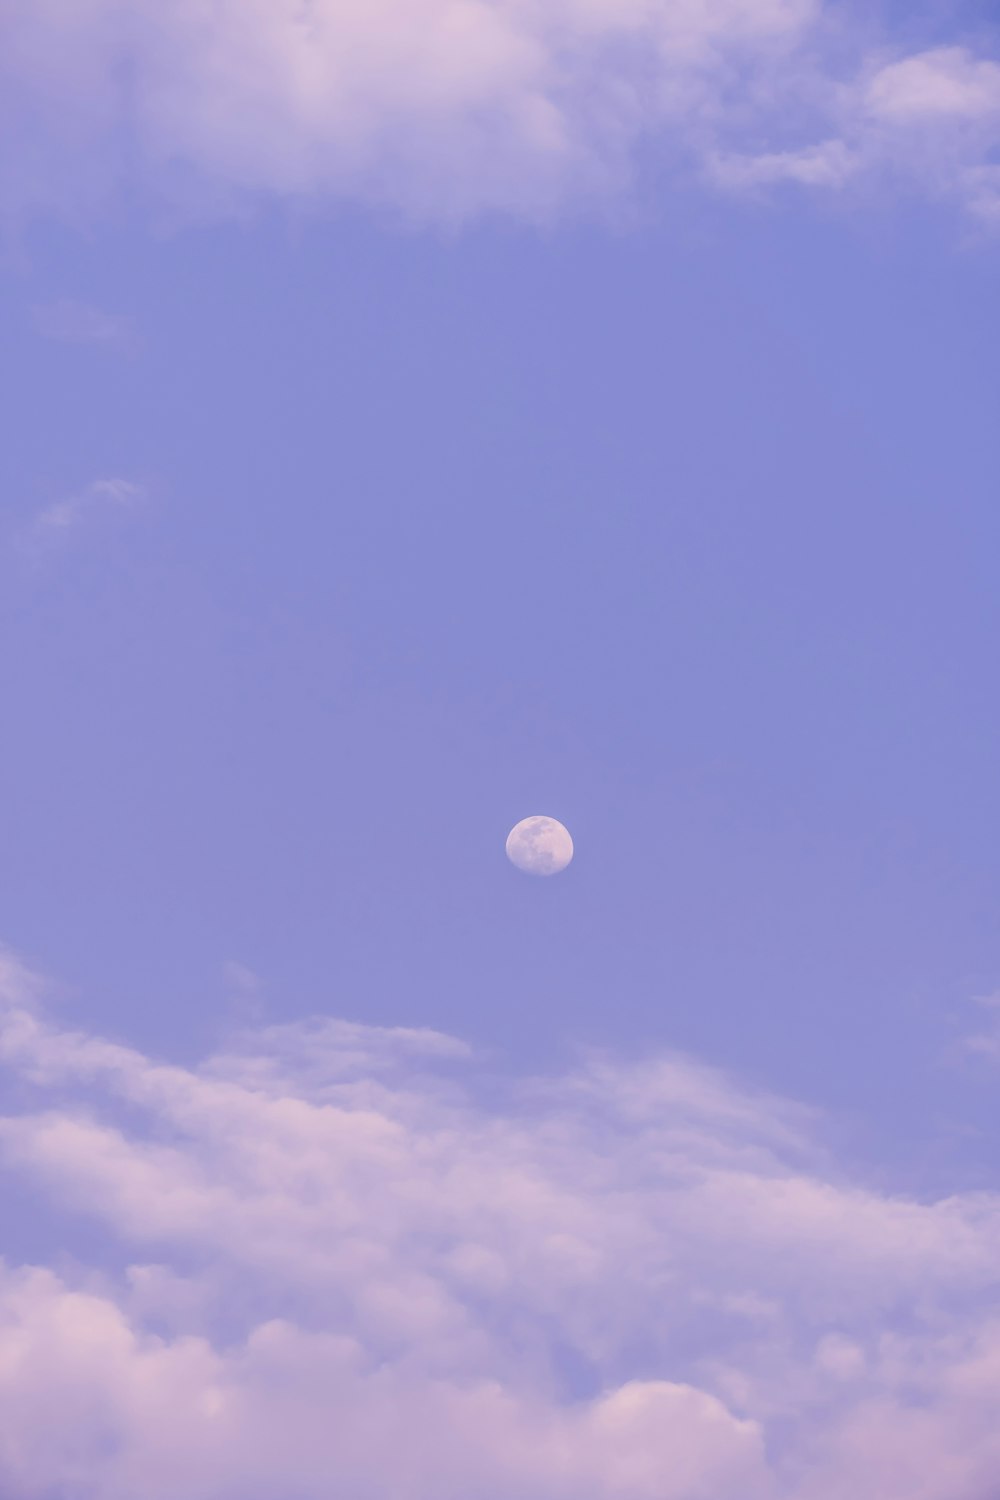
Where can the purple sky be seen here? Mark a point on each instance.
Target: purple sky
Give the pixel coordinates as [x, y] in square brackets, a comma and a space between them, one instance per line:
[420, 415]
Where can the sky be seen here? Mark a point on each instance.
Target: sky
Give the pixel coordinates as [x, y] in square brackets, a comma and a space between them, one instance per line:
[421, 415]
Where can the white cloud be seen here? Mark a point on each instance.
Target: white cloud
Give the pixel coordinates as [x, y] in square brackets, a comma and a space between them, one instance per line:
[332, 1270]
[445, 109]
[100, 495]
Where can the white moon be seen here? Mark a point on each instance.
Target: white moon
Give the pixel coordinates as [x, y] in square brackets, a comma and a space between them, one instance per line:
[539, 846]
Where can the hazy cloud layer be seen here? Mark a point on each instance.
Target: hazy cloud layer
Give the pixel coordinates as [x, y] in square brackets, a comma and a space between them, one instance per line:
[333, 1270]
[450, 108]
[72, 322]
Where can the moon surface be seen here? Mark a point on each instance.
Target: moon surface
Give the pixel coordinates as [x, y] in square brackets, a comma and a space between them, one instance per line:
[539, 846]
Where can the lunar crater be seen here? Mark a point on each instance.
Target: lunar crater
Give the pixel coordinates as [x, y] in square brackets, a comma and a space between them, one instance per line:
[539, 846]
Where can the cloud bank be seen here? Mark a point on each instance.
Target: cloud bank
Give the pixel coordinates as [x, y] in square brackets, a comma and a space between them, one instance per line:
[447, 109]
[345, 1262]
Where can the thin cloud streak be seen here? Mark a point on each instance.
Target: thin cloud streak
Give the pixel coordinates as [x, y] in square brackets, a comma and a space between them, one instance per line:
[56, 521]
[985, 1041]
[70, 322]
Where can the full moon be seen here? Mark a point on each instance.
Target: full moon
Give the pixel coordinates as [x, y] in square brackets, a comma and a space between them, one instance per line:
[539, 846]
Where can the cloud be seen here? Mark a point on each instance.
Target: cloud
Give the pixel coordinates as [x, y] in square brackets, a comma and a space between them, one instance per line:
[985, 1041]
[948, 83]
[830, 164]
[78, 323]
[66, 515]
[982, 188]
[448, 109]
[341, 1263]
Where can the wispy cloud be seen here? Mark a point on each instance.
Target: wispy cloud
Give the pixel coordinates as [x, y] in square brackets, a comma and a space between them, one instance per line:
[337, 1271]
[64, 516]
[985, 1040]
[79, 323]
[445, 109]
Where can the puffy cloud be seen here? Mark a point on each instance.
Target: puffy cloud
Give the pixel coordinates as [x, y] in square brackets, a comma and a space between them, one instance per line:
[947, 83]
[338, 1262]
[450, 108]
[311, 1414]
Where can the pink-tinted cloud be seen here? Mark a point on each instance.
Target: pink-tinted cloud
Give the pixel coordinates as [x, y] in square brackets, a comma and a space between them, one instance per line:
[445, 109]
[332, 1270]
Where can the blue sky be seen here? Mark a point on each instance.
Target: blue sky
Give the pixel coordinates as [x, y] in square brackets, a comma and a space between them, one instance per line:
[452, 415]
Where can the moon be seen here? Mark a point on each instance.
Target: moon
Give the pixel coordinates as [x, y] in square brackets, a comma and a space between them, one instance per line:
[539, 846]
